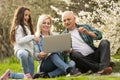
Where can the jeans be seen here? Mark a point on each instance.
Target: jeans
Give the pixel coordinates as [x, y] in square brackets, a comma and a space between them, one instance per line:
[26, 60]
[96, 61]
[16, 75]
[56, 65]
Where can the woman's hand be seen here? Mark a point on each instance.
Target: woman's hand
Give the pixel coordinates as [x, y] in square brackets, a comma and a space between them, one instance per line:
[68, 51]
[42, 54]
[36, 38]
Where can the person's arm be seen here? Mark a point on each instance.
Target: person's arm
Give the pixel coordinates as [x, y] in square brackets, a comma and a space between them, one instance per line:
[92, 34]
[36, 51]
[21, 38]
[90, 31]
[42, 55]
[85, 31]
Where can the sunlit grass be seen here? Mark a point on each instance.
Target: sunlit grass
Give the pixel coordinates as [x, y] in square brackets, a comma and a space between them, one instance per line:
[13, 64]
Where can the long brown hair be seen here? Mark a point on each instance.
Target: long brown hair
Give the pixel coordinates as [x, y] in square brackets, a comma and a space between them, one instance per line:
[18, 20]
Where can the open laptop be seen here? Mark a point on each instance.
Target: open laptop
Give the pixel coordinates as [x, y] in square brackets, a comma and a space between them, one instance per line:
[57, 43]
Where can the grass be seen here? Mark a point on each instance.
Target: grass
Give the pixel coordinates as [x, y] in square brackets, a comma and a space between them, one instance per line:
[13, 64]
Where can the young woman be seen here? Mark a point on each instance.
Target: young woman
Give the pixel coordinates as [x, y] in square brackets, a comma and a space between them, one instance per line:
[22, 36]
[56, 64]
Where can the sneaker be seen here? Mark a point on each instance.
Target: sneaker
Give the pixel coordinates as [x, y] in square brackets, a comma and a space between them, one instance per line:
[40, 75]
[5, 76]
[106, 71]
[73, 72]
[27, 76]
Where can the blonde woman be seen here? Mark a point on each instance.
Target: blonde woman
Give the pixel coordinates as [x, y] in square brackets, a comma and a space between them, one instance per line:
[56, 64]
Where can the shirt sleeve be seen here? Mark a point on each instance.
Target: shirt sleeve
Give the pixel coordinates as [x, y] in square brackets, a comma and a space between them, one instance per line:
[97, 32]
[21, 38]
[37, 50]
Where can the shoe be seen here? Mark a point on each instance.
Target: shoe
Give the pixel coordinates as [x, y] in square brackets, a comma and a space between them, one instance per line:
[112, 64]
[27, 76]
[40, 75]
[5, 76]
[106, 71]
[73, 71]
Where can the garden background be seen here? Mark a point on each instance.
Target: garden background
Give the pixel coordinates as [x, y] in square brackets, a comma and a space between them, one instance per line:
[101, 14]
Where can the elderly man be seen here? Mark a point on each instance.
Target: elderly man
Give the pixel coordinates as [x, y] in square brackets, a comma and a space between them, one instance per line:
[84, 53]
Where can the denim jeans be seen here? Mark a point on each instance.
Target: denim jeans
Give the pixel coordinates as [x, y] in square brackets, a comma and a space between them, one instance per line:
[26, 60]
[54, 65]
[16, 75]
[96, 61]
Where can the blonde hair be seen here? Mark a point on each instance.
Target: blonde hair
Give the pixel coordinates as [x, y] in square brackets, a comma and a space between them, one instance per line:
[39, 23]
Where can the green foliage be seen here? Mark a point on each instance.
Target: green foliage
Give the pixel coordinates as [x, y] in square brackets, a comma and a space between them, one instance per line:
[101, 14]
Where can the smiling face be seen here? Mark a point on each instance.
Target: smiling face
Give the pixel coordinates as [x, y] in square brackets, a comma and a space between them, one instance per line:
[46, 25]
[68, 20]
[26, 16]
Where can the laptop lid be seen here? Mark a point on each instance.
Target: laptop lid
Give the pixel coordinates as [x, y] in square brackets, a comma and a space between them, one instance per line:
[57, 43]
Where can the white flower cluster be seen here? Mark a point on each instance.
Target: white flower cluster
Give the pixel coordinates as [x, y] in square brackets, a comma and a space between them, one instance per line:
[107, 20]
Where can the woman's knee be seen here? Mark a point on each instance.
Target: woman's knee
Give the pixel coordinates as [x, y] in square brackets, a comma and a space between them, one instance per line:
[22, 54]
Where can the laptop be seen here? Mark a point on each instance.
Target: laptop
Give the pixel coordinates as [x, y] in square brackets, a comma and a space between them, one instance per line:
[57, 43]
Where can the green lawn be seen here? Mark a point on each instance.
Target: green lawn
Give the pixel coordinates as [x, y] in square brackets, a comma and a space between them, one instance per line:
[13, 64]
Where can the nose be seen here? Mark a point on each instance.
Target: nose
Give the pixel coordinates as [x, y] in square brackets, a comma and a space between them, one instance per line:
[27, 17]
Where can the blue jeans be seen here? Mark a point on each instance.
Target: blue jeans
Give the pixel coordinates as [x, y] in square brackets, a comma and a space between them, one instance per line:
[26, 60]
[54, 65]
[16, 75]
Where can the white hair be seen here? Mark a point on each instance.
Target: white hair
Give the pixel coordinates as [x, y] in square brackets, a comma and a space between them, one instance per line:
[67, 12]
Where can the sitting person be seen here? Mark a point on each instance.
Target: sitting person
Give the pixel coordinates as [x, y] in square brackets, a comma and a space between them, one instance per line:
[84, 53]
[21, 36]
[50, 64]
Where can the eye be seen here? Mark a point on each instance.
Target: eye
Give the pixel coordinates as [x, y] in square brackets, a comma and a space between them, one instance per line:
[68, 19]
[48, 23]
[64, 20]
[44, 22]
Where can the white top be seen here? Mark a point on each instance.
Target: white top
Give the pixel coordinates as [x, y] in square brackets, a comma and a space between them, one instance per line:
[78, 43]
[23, 41]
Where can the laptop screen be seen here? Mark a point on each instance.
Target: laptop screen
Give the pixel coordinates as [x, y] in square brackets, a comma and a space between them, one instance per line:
[57, 43]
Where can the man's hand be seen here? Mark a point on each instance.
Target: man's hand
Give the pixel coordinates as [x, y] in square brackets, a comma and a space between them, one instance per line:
[85, 31]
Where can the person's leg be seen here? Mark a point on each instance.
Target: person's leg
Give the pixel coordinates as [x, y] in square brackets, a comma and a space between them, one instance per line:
[64, 67]
[84, 63]
[46, 69]
[56, 67]
[16, 75]
[76, 56]
[59, 72]
[31, 64]
[55, 58]
[56, 72]
[9, 74]
[44, 65]
[104, 51]
[23, 55]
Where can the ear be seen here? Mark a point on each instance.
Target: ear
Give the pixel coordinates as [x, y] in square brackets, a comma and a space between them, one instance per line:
[74, 17]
